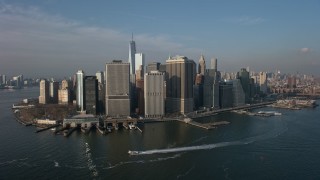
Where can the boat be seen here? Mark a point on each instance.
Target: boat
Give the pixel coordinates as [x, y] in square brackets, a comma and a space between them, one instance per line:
[65, 132]
[274, 113]
[101, 130]
[133, 152]
[132, 126]
[109, 128]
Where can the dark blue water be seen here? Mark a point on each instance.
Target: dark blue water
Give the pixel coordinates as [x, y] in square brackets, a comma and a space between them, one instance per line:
[278, 147]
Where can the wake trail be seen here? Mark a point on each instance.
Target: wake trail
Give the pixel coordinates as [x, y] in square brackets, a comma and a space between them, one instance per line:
[244, 141]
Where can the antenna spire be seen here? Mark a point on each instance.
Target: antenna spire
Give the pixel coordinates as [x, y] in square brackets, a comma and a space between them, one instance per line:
[132, 36]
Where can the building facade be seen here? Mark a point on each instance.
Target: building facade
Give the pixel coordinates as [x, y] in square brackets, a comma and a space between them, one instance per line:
[179, 84]
[154, 94]
[132, 52]
[80, 91]
[91, 94]
[44, 92]
[117, 89]
[54, 87]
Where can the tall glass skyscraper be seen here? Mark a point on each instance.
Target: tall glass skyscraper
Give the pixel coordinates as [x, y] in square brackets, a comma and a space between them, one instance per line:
[80, 91]
[132, 52]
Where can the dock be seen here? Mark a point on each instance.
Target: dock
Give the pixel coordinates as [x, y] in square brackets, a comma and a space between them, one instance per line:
[70, 131]
[44, 129]
[207, 126]
[139, 129]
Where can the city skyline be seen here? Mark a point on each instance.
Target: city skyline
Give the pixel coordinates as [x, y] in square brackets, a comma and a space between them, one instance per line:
[47, 39]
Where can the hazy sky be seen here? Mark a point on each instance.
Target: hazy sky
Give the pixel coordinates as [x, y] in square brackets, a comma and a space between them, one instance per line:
[55, 38]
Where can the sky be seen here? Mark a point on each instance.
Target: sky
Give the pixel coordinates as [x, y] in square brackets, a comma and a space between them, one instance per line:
[55, 38]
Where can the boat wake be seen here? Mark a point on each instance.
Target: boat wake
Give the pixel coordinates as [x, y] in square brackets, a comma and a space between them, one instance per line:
[142, 161]
[91, 165]
[245, 141]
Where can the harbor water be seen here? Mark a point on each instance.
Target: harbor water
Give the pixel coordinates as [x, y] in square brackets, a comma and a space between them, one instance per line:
[250, 147]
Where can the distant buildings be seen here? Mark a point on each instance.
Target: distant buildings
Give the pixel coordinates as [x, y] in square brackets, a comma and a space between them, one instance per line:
[44, 92]
[154, 94]
[179, 83]
[117, 89]
[211, 96]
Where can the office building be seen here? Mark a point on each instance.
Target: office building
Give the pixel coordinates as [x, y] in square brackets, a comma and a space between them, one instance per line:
[226, 95]
[117, 89]
[100, 77]
[263, 82]
[63, 96]
[154, 66]
[244, 77]
[44, 92]
[80, 91]
[238, 93]
[54, 87]
[132, 52]
[154, 94]
[139, 61]
[202, 65]
[140, 96]
[91, 94]
[179, 84]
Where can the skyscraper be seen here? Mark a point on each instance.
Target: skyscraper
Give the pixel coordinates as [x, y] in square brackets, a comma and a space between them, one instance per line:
[202, 65]
[91, 94]
[100, 77]
[139, 61]
[214, 63]
[132, 52]
[263, 82]
[154, 94]
[154, 66]
[117, 89]
[244, 77]
[54, 87]
[80, 91]
[44, 92]
[179, 85]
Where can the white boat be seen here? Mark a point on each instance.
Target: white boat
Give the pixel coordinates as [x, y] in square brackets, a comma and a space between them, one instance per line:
[270, 113]
[133, 152]
[132, 126]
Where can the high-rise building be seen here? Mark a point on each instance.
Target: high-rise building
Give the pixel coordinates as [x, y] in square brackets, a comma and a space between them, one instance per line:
[263, 82]
[179, 84]
[202, 65]
[65, 84]
[117, 89]
[154, 66]
[214, 63]
[292, 82]
[140, 96]
[91, 94]
[63, 96]
[44, 92]
[54, 87]
[132, 52]
[244, 77]
[226, 95]
[4, 79]
[211, 91]
[238, 93]
[154, 94]
[139, 61]
[139, 73]
[100, 77]
[80, 91]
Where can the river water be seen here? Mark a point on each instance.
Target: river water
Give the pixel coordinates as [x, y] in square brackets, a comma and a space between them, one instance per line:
[250, 147]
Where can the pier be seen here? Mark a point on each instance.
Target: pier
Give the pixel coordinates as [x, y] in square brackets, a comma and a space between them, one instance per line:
[70, 131]
[207, 126]
[44, 129]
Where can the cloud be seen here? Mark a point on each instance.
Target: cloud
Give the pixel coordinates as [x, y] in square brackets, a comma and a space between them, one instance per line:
[40, 40]
[244, 20]
[305, 50]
